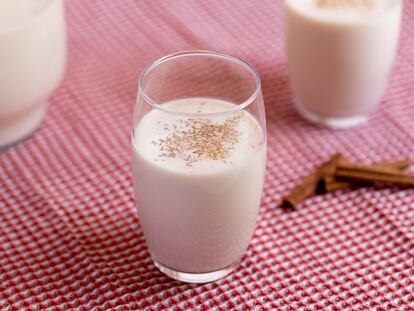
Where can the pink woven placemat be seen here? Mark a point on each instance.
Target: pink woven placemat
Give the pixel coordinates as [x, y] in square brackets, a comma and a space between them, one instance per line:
[70, 236]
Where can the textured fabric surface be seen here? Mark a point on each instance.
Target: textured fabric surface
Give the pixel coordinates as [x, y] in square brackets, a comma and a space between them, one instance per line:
[70, 236]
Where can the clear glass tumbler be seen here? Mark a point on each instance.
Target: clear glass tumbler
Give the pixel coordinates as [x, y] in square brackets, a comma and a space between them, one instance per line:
[198, 157]
[340, 57]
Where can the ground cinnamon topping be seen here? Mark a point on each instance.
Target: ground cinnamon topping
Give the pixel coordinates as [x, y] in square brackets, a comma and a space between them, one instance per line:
[195, 139]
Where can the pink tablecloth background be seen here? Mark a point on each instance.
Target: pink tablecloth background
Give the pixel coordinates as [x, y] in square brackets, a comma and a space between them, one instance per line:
[70, 236]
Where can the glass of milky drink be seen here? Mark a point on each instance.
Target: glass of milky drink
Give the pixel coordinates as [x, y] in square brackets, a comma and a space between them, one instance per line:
[199, 157]
[340, 53]
[32, 61]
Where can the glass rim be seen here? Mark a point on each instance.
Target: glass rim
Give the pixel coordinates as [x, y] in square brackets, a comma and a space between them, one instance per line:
[156, 63]
[28, 20]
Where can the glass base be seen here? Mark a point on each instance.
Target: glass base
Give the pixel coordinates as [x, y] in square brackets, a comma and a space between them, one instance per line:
[331, 122]
[196, 277]
[22, 128]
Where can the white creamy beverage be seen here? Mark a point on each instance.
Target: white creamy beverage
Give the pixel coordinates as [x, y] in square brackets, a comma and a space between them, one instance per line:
[198, 183]
[32, 59]
[340, 54]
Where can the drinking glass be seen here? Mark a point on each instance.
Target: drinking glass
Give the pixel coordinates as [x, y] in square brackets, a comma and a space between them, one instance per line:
[339, 61]
[198, 157]
[32, 61]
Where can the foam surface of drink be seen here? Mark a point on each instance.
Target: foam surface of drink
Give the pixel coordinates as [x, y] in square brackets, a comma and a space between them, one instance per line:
[194, 145]
[16, 12]
[341, 10]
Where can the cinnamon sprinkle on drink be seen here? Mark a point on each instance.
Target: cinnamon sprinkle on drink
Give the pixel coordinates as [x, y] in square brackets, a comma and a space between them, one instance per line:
[196, 139]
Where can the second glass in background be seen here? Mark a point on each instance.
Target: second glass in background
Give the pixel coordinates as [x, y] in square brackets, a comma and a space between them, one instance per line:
[340, 54]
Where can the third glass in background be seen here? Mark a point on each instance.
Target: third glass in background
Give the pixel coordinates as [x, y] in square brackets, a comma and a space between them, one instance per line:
[340, 54]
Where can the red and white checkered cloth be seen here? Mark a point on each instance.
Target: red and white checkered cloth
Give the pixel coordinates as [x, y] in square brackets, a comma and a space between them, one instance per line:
[70, 236]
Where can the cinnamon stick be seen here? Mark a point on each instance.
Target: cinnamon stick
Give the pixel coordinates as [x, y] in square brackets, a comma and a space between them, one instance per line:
[338, 173]
[360, 172]
[308, 186]
[396, 165]
[330, 183]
